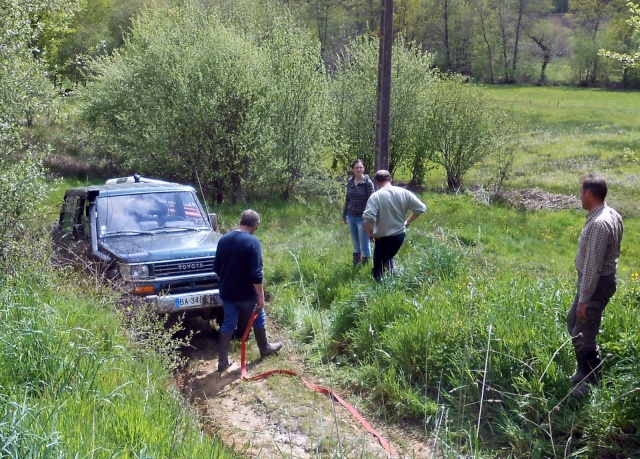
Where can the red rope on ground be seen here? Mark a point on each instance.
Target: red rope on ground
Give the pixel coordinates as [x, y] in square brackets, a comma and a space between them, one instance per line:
[243, 369]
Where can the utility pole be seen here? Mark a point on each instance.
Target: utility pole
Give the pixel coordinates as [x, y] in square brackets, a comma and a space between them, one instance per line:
[384, 86]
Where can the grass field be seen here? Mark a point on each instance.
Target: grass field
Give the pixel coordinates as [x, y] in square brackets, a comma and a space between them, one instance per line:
[468, 339]
[482, 291]
[573, 131]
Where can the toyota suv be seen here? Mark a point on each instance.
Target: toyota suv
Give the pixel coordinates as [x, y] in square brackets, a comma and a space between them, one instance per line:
[151, 234]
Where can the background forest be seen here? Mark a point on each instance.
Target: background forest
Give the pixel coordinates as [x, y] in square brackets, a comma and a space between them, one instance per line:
[266, 104]
[493, 41]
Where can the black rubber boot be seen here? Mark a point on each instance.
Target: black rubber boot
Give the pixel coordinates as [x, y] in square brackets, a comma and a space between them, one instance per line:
[357, 257]
[593, 363]
[223, 351]
[588, 373]
[365, 260]
[580, 373]
[577, 376]
[266, 348]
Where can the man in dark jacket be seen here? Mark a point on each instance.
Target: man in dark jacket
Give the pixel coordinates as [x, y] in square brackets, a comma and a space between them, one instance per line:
[238, 264]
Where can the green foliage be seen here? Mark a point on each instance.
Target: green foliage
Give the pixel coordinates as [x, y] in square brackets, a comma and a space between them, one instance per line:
[243, 111]
[628, 59]
[46, 22]
[66, 360]
[98, 28]
[298, 111]
[469, 333]
[155, 109]
[460, 128]
[354, 93]
[26, 93]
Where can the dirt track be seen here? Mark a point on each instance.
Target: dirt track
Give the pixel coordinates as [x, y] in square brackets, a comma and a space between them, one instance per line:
[279, 417]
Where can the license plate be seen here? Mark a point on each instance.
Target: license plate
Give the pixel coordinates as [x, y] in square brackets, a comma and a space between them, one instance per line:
[194, 300]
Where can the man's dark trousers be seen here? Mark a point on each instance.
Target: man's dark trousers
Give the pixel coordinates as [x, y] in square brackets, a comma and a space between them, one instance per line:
[385, 249]
[584, 333]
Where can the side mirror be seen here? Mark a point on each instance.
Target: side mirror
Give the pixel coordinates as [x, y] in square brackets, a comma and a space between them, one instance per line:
[213, 219]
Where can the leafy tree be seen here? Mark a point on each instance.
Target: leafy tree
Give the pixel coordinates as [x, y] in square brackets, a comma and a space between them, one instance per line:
[98, 28]
[184, 99]
[548, 37]
[450, 31]
[354, 92]
[591, 15]
[460, 128]
[485, 15]
[513, 22]
[298, 110]
[225, 97]
[629, 59]
[26, 93]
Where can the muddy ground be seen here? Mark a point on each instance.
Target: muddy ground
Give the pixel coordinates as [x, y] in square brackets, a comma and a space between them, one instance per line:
[279, 417]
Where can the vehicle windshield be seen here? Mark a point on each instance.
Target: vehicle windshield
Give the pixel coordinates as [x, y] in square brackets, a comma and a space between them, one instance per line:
[145, 212]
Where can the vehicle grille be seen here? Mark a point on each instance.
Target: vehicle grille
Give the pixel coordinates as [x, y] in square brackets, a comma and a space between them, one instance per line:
[183, 267]
[189, 287]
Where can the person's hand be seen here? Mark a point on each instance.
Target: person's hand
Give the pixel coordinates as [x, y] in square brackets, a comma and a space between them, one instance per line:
[345, 221]
[581, 312]
[260, 303]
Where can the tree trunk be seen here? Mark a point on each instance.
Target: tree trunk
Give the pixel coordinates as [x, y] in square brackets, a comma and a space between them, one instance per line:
[453, 181]
[447, 47]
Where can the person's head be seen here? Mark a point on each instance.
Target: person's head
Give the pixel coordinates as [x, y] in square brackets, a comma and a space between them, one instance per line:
[593, 190]
[382, 176]
[250, 219]
[357, 167]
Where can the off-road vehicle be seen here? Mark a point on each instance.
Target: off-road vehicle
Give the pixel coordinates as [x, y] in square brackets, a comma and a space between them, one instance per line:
[152, 235]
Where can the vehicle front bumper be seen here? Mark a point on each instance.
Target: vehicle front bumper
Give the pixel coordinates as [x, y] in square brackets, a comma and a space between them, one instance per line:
[192, 301]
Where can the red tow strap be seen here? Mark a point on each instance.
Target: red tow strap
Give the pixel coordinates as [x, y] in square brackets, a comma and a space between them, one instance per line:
[243, 368]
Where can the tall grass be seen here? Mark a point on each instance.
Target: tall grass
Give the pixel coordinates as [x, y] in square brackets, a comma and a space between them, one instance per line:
[70, 387]
[468, 339]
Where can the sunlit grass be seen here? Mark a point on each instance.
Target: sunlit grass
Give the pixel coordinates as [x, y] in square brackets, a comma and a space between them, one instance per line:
[474, 284]
[573, 131]
[71, 387]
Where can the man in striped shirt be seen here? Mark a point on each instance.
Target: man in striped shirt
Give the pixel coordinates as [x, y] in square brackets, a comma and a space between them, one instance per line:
[596, 263]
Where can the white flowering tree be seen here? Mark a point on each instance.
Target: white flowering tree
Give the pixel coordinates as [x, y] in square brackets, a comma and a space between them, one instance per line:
[629, 60]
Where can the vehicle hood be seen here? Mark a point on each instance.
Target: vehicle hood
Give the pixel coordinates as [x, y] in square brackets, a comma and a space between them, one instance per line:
[143, 248]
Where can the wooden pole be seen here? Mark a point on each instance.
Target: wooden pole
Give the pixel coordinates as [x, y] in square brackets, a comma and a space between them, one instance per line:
[384, 86]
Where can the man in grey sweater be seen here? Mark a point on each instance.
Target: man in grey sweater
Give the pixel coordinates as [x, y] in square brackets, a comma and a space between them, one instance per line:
[385, 220]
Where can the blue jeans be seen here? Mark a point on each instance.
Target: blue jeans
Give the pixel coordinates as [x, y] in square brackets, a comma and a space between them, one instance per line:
[232, 312]
[359, 237]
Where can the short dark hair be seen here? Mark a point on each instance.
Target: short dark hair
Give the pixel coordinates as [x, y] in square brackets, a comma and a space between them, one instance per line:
[249, 218]
[382, 176]
[353, 164]
[596, 183]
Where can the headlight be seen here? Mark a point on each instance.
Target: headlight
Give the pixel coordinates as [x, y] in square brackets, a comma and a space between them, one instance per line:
[134, 272]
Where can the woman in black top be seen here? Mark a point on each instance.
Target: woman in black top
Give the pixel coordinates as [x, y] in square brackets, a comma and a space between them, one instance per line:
[359, 188]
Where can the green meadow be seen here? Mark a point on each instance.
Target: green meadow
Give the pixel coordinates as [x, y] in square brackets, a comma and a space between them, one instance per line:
[466, 343]
[572, 131]
[468, 339]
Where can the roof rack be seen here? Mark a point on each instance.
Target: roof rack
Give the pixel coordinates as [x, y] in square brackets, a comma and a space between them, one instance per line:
[135, 178]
